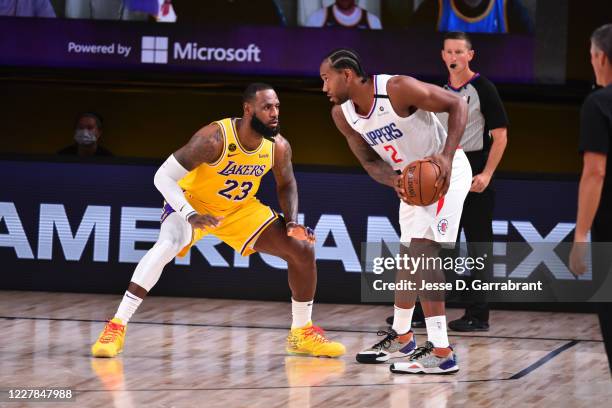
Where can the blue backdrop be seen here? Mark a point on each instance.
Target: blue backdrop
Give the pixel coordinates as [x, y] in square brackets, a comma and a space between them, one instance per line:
[83, 227]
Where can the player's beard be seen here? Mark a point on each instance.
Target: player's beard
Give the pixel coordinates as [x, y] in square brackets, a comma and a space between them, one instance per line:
[267, 132]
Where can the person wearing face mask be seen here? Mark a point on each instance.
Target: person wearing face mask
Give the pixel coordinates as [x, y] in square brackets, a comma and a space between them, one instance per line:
[87, 134]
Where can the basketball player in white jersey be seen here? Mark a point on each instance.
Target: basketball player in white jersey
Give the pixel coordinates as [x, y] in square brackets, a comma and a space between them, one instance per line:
[388, 123]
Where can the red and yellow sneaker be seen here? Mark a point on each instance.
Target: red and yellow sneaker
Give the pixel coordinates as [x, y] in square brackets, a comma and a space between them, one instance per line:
[310, 340]
[110, 342]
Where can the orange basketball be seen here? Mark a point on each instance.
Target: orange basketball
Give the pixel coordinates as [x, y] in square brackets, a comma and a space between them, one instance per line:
[419, 182]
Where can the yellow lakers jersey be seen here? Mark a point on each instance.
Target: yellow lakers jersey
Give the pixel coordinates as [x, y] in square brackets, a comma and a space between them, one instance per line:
[220, 188]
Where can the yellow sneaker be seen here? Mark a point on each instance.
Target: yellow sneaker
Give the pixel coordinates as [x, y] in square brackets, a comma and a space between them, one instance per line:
[311, 340]
[110, 342]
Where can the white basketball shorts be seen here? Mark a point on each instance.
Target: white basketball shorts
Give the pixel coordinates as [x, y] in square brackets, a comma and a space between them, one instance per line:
[439, 221]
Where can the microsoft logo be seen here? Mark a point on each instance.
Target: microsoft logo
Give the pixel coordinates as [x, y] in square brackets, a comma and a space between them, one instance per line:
[154, 50]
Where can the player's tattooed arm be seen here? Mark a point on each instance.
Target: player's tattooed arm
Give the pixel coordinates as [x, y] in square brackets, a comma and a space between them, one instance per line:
[376, 167]
[205, 146]
[286, 190]
[286, 186]
[407, 94]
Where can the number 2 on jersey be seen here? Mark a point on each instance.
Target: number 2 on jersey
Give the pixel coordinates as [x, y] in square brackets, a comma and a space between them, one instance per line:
[394, 157]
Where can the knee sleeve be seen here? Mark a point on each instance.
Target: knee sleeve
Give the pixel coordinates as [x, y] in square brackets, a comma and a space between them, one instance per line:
[174, 235]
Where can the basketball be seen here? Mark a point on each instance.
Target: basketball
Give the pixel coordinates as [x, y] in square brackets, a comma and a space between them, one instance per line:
[419, 179]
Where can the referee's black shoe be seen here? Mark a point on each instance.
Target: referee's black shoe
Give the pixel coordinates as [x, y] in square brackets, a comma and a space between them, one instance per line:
[468, 324]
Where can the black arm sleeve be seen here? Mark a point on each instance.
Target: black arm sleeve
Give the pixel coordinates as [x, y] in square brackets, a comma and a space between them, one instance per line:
[491, 104]
[595, 127]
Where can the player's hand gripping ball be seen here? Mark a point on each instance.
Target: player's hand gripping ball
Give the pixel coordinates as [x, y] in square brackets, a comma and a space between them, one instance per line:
[419, 182]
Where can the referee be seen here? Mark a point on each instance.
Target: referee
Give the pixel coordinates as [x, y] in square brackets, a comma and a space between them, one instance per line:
[484, 142]
[595, 189]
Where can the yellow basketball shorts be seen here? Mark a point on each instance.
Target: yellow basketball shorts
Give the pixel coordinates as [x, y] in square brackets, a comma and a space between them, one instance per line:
[239, 229]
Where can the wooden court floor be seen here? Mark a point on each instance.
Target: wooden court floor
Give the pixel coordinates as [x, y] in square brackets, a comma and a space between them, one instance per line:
[186, 352]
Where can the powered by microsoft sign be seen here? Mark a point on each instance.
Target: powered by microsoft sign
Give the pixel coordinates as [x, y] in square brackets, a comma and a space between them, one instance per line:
[155, 51]
[159, 50]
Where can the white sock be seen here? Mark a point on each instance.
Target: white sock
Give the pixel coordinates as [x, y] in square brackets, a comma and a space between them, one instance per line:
[436, 331]
[402, 319]
[301, 312]
[128, 306]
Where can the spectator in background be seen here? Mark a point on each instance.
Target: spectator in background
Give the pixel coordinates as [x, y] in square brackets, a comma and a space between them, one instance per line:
[473, 16]
[229, 12]
[165, 12]
[159, 10]
[109, 10]
[26, 8]
[344, 13]
[87, 134]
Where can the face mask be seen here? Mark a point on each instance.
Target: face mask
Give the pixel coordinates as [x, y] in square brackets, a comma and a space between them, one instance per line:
[85, 137]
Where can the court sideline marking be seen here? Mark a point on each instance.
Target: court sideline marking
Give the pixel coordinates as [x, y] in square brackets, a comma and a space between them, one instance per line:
[232, 326]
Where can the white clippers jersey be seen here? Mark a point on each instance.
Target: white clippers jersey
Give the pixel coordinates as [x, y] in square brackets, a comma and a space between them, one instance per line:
[397, 140]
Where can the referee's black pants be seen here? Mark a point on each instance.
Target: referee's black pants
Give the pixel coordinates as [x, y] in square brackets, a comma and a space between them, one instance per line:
[602, 265]
[605, 321]
[476, 221]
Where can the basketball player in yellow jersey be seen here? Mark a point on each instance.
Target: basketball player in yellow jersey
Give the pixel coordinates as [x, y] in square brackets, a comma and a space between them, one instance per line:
[209, 186]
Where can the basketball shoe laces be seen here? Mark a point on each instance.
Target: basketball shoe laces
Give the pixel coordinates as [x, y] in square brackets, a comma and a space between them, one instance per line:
[317, 333]
[422, 351]
[111, 331]
[386, 342]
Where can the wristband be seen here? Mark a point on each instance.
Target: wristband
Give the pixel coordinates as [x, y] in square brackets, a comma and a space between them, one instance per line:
[187, 211]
